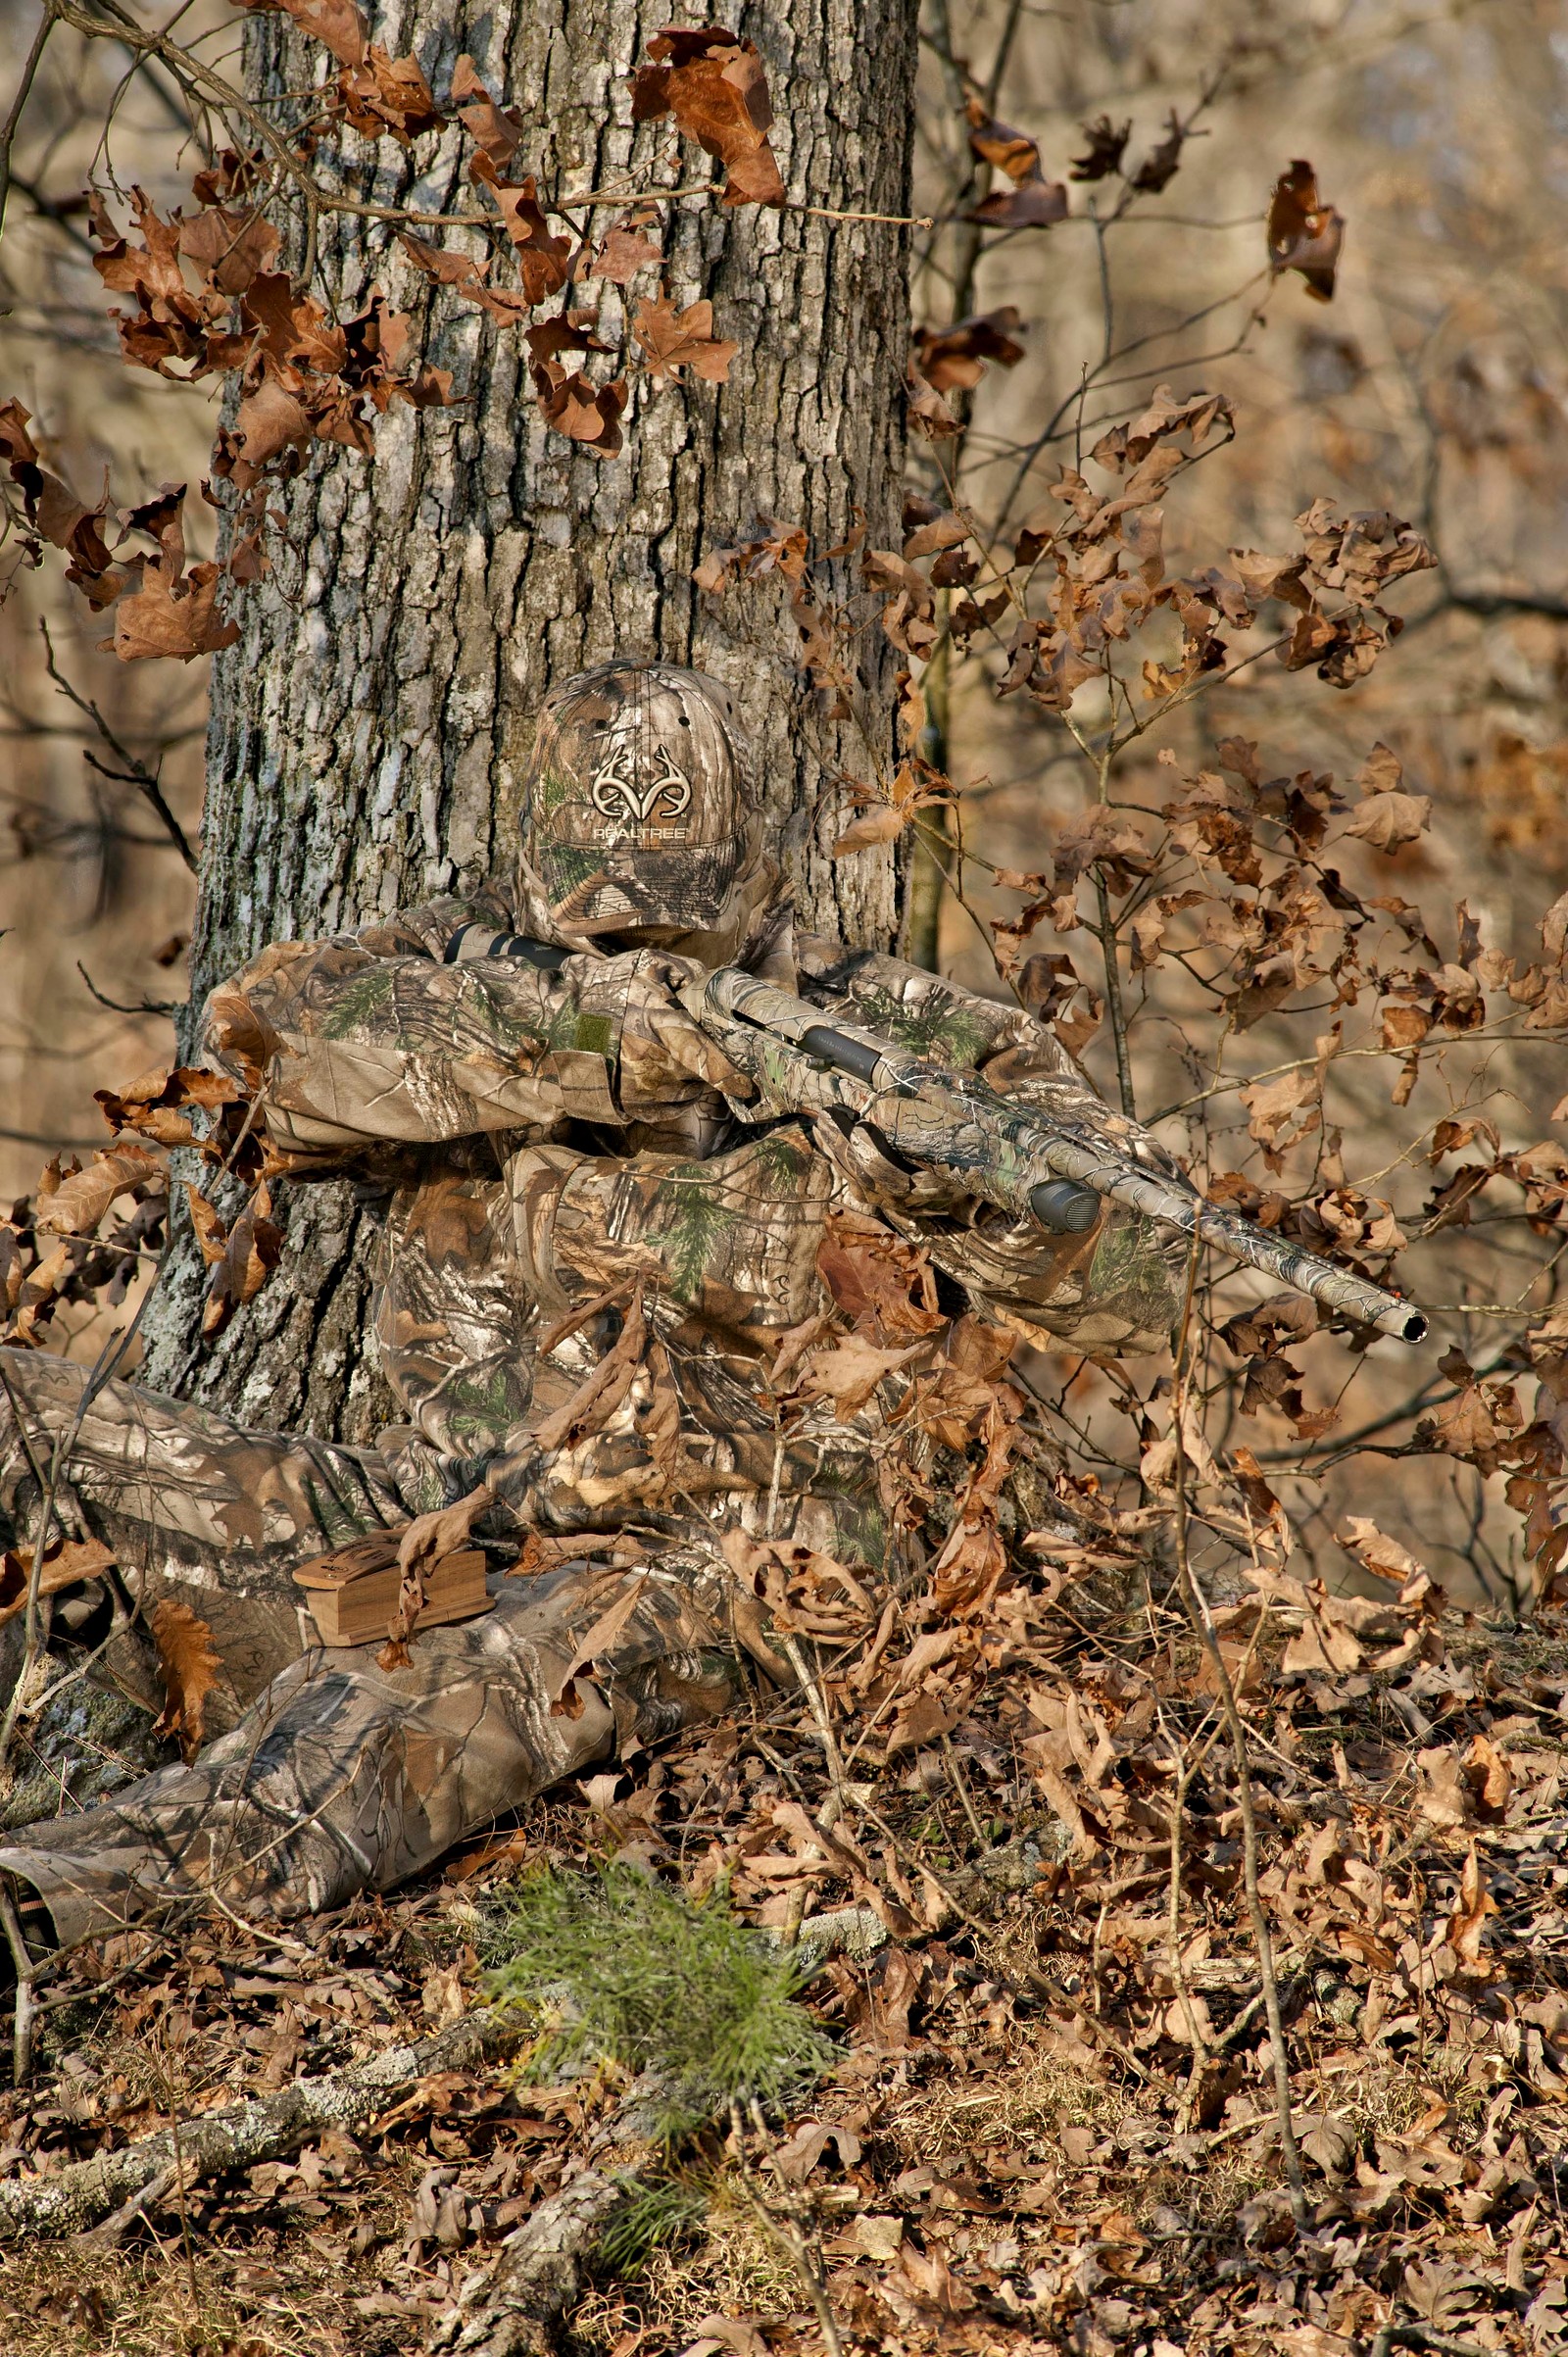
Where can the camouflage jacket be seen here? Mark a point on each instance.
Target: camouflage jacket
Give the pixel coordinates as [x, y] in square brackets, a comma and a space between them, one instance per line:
[547, 1174]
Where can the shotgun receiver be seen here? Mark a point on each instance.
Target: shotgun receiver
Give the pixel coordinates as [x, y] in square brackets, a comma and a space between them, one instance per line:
[804, 1059]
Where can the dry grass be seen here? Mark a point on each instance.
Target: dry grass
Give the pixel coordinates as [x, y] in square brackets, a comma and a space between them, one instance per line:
[89, 2302]
[733, 2266]
[1042, 2093]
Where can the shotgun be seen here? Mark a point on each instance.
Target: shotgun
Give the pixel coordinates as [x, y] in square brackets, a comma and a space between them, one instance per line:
[1026, 1161]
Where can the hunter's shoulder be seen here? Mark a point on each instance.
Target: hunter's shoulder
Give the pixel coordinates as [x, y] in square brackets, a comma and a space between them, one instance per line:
[424, 929]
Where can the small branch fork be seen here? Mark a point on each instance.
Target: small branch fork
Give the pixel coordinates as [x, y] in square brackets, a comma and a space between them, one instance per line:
[134, 771]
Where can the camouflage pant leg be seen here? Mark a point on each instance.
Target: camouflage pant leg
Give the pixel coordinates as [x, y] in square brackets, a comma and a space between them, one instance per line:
[343, 1777]
[194, 1506]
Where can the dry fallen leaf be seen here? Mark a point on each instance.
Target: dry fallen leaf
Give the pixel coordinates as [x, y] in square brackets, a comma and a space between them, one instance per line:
[878, 824]
[1303, 232]
[586, 414]
[850, 1373]
[78, 1204]
[957, 355]
[241, 1258]
[497, 131]
[65, 1563]
[597, 1641]
[716, 86]
[542, 258]
[190, 1664]
[171, 617]
[1032, 202]
[1390, 821]
[626, 250]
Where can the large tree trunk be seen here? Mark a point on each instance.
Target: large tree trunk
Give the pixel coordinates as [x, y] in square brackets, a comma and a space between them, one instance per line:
[370, 730]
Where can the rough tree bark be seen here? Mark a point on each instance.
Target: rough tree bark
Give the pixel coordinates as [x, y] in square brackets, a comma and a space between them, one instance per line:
[370, 730]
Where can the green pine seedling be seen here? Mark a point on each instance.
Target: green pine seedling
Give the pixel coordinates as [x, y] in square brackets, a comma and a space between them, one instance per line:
[625, 1970]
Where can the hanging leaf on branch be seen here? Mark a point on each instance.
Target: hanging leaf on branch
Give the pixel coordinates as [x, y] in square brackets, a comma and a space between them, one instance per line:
[716, 86]
[1305, 233]
[1032, 202]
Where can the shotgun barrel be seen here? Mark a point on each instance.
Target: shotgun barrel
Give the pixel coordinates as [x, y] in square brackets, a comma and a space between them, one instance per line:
[1016, 1156]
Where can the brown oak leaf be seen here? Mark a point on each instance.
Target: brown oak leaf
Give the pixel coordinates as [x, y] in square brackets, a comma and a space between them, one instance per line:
[78, 1204]
[336, 24]
[1108, 142]
[1032, 202]
[1305, 233]
[625, 251]
[172, 615]
[957, 355]
[189, 1665]
[542, 258]
[881, 823]
[585, 412]
[440, 263]
[153, 1104]
[495, 131]
[682, 339]
[388, 96]
[716, 86]
[241, 1258]
[67, 1563]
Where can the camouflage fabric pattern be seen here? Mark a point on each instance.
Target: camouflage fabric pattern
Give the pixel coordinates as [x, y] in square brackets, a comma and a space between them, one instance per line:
[638, 814]
[626, 1170]
[197, 1508]
[369, 1051]
[344, 1777]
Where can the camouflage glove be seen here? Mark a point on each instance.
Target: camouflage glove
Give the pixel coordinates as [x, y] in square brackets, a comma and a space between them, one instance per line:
[664, 1057]
[661, 1057]
[882, 1181]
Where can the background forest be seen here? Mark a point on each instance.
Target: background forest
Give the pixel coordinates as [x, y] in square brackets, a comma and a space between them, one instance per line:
[1214, 700]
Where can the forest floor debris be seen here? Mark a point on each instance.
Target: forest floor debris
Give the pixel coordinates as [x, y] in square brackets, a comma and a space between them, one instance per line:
[979, 2169]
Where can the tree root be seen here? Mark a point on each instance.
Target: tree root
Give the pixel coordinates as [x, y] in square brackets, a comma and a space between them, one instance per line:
[504, 2310]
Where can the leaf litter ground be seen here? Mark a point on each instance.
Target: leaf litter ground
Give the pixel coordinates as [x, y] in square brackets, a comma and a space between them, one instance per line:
[1050, 2122]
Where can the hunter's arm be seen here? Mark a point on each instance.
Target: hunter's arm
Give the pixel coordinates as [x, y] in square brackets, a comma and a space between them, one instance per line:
[374, 1039]
[1115, 1289]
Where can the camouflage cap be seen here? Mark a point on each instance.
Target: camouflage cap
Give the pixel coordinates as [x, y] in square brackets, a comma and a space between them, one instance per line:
[638, 815]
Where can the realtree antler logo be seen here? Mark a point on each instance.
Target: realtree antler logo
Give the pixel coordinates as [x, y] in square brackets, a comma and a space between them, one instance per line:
[616, 793]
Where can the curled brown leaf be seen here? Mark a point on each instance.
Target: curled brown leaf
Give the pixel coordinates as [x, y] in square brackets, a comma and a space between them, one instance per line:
[189, 1665]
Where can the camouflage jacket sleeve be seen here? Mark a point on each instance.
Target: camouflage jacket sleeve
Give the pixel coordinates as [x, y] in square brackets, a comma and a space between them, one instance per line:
[373, 1038]
[1115, 1289]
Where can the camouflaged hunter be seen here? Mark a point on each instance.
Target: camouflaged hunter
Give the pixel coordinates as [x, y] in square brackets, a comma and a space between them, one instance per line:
[588, 1259]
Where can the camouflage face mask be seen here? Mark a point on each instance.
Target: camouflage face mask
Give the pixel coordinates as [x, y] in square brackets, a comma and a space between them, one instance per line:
[638, 818]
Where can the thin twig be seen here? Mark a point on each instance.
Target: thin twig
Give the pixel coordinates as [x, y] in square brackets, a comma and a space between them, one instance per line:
[785, 2230]
[167, 1007]
[1204, 1630]
[1186, 1769]
[26, 2008]
[8, 130]
[1421, 2336]
[139, 775]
